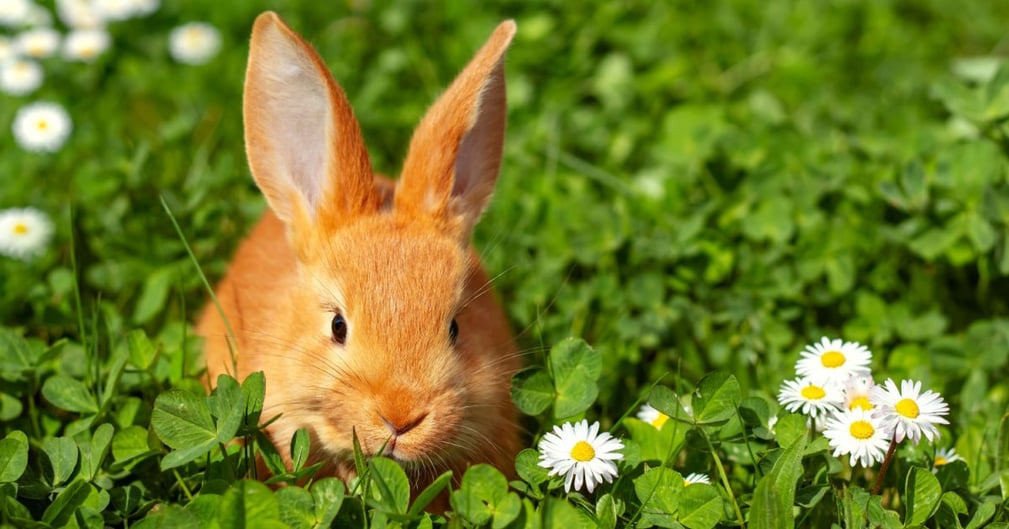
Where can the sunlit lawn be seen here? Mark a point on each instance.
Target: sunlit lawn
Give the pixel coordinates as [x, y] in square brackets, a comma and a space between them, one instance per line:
[691, 194]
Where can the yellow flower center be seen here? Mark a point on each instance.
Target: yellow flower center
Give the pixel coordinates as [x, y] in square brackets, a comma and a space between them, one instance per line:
[940, 461]
[812, 392]
[42, 124]
[194, 37]
[861, 430]
[860, 402]
[660, 420]
[583, 452]
[687, 483]
[832, 359]
[20, 228]
[908, 408]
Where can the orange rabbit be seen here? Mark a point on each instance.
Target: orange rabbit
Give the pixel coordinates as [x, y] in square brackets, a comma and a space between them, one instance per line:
[361, 299]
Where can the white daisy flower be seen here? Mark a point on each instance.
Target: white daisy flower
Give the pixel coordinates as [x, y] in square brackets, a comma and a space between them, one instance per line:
[79, 14]
[856, 392]
[15, 13]
[114, 10]
[908, 411]
[858, 433]
[85, 44]
[19, 77]
[652, 416]
[811, 398]
[580, 453]
[833, 361]
[24, 232]
[696, 478]
[142, 8]
[37, 43]
[945, 456]
[38, 16]
[194, 43]
[41, 127]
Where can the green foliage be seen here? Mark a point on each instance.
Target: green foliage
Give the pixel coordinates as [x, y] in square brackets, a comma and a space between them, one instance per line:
[13, 456]
[695, 189]
[775, 492]
[483, 498]
[569, 384]
[922, 494]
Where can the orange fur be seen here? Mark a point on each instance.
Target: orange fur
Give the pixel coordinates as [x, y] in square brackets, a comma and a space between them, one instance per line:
[396, 263]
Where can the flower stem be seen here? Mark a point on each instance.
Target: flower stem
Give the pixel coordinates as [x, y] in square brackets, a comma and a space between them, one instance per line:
[886, 466]
[725, 481]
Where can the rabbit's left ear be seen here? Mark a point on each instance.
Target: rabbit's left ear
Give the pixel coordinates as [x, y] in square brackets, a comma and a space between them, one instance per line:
[455, 154]
[304, 145]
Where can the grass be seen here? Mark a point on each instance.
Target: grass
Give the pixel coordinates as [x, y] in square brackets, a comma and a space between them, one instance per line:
[694, 191]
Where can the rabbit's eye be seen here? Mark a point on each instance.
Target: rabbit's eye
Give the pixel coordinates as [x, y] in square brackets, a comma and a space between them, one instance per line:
[339, 327]
[453, 332]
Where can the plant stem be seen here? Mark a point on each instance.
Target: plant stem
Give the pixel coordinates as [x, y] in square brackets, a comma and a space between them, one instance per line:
[749, 447]
[725, 481]
[845, 502]
[182, 483]
[76, 272]
[230, 333]
[886, 465]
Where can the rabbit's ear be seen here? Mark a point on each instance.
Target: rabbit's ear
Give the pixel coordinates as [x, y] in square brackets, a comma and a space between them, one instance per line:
[455, 153]
[304, 145]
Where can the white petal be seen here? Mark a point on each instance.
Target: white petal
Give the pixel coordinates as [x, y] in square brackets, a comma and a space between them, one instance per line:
[567, 481]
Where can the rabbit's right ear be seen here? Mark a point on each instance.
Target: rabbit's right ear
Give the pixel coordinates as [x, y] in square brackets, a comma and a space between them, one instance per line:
[304, 145]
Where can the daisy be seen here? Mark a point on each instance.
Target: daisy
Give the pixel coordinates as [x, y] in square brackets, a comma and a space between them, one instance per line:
[580, 453]
[38, 43]
[652, 416]
[20, 76]
[142, 8]
[695, 478]
[23, 232]
[813, 399]
[833, 361]
[15, 12]
[38, 16]
[85, 44]
[194, 43]
[945, 456]
[41, 127]
[857, 433]
[114, 10]
[79, 14]
[856, 392]
[908, 411]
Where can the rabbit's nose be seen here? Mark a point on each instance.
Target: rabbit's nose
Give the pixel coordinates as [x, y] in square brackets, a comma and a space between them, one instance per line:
[402, 424]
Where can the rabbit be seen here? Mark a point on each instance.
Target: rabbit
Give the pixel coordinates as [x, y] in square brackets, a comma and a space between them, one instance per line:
[361, 299]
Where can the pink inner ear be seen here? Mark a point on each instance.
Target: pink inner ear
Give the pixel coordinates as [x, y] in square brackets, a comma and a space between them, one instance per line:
[288, 115]
[304, 144]
[455, 154]
[301, 138]
[480, 150]
[479, 158]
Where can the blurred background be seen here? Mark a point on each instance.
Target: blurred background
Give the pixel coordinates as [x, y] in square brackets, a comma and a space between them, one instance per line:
[687, 185]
